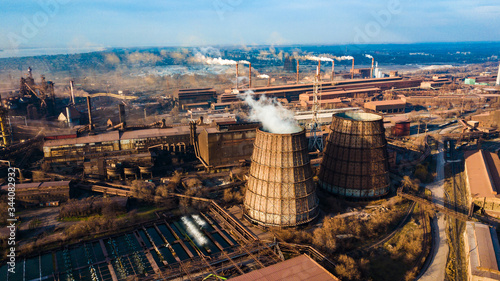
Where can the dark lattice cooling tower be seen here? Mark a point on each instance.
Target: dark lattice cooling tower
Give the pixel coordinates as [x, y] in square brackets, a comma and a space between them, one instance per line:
[355, 160]
[280, 189]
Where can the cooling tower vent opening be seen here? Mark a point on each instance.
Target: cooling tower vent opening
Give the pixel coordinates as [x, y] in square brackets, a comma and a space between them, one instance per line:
[293, 132]
[359, 116]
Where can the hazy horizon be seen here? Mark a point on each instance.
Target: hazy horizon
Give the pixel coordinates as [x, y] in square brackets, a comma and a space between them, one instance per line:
[77, 24]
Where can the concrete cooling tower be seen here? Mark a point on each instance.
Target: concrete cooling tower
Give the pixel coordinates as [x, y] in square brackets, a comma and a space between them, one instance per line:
[280, 189]
[355, 162]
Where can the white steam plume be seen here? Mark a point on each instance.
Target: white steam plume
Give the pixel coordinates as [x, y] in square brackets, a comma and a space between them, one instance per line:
[244, 61]
[274, 117]
[368, 56]
[264, 76]
[318, 58]
[198, 57]
[344, 58]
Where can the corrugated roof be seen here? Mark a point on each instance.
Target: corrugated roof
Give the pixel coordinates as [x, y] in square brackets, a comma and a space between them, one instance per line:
[480, 174]
[301, 268]
[54, 183]
[386, 102]
[485, 249]
[38, 184]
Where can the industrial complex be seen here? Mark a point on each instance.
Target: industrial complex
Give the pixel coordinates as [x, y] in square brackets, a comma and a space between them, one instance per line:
[308, 175]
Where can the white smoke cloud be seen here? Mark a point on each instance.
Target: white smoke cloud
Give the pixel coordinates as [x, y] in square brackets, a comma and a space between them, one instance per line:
[244, 62]
[368, 56]
[318, 58]
[200, 58]
[344, 58]
[263, 76]
[274, 117]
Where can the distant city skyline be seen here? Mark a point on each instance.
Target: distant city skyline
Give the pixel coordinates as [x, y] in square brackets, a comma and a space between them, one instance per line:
[81, 24]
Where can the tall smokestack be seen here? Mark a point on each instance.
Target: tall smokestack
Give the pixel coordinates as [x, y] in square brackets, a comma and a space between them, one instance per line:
[352, 70]
[333, 69]
[371, 71]
[269, 81]
[121, 112]
[89, 107]
[72, 93]
[298, 71]
[498, 75]
[319, 70]
[250, 75]
[237, 74]
[68, 116]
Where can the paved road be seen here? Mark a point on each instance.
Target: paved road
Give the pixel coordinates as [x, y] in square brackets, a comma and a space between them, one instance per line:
[436, 270]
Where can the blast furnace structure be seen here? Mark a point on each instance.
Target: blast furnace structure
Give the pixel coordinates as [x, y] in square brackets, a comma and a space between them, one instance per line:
[280, 189]
[355, 163]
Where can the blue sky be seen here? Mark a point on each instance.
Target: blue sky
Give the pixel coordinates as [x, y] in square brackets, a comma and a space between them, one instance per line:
[128, 23]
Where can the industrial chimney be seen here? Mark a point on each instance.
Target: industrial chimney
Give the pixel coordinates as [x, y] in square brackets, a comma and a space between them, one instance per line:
[89, 108]
[355, 162]
[249, 75]
[68, 116]
[333, 69]
[352, 70]
[498, 75]
[72, 93]
[371, 71]
[121, 112]
[280, 189]
[298, 71]
[237, 74]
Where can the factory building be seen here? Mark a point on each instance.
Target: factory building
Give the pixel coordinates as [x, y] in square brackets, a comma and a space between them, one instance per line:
[333, 97]
[196, 95]
[292, 92]
[387, 106]
[115, 142]
[355, 162]
[399, 126]
[362, 72]
[280, 189]
[227, 144]
[488, 119]
[482, 172]
[482, 252]
[41, 193]
[301, 268]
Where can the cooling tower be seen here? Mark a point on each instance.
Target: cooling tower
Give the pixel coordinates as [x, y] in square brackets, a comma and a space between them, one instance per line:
[280, 189]
[355, 161]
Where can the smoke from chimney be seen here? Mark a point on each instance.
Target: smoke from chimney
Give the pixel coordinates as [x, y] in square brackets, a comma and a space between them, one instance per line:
[344, 58]
[274, 117]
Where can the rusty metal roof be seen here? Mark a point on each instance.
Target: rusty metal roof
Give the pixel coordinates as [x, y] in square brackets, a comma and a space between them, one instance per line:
[38, 184]
[386, 102]
[481, 167]
[301, 268]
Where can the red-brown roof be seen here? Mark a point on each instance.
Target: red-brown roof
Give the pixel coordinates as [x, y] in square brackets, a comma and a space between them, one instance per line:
[301, 268]
[482, 169]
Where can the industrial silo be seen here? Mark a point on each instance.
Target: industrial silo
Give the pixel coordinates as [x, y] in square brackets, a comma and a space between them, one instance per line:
[355, 162]
[280, 189]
